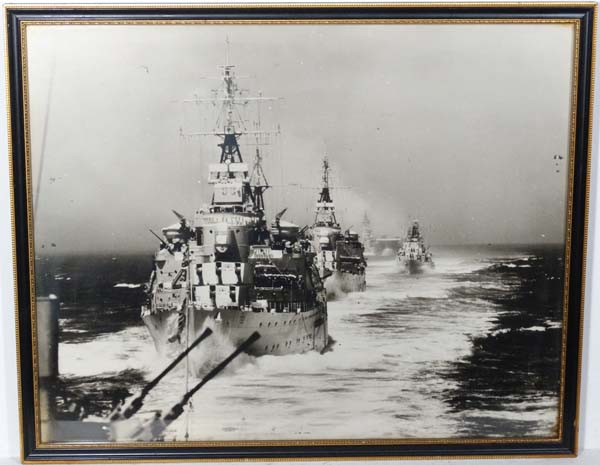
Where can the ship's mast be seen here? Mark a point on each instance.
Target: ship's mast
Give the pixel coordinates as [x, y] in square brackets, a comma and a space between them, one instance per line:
[258, 180]
[366, 226]
[230, 149]
[414, 230]
[366, 222]
[234, 188]
[325, 211]
[325, 195]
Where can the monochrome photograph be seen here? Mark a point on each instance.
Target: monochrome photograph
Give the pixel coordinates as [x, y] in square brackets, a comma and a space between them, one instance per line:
[300, 232]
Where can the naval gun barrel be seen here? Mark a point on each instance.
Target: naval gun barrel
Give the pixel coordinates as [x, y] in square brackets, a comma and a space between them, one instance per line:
[162, 241]
[138, 402]
[153, 428]
[303, 231]
[177, 409]
[179, 216]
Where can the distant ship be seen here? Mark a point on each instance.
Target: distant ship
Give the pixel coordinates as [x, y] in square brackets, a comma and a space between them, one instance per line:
[413, 254]
[340, 255]
[367, 237]
[227, 269]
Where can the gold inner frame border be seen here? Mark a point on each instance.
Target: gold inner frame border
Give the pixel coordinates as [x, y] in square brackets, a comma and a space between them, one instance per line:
[153, 445]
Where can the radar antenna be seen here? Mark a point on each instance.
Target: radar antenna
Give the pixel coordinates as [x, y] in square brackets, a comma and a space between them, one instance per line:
[230, 126]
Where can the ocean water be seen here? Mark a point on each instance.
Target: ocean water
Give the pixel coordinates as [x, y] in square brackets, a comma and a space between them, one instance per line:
[469, 348]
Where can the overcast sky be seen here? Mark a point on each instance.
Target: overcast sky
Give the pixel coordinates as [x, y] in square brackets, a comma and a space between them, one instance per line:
[456, 125]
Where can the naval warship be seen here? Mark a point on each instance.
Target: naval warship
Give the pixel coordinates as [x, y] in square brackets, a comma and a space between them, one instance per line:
[227, 269]
[367, 237]
[340, 255]
[412, 253]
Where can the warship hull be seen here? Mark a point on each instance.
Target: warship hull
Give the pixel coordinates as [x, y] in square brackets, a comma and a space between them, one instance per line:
[281, 333]
[387, 252]
[226, 269]
[416, 266]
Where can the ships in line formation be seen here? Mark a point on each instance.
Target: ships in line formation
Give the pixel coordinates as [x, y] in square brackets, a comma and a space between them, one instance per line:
[229, 270]
[412, 253]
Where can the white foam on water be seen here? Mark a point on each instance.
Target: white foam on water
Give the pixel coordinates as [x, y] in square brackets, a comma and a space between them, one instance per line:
[553, 324]
[382, 378]
[128, 285]
[375, 382]
[109, 354]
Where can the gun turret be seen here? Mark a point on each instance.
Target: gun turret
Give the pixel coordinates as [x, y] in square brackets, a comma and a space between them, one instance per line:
[162, 241]
[185, 228]
[279, 216]
[303, 231]
[180, 216]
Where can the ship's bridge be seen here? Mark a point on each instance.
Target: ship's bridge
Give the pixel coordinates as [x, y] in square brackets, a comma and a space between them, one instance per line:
[219, 172]
[325, 206]
[230, 181]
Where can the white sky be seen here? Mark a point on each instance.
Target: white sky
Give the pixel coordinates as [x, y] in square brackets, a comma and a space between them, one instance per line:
[456, 125]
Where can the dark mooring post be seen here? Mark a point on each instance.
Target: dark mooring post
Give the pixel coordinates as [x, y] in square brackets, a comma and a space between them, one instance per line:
[47, 310]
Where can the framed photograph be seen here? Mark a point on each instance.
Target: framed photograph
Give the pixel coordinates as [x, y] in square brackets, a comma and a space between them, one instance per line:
[274, 232]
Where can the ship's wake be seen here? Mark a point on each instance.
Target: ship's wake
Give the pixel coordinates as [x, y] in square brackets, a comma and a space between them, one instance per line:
[329, 346]
[334, 287]
[406, 354]
[338, 285]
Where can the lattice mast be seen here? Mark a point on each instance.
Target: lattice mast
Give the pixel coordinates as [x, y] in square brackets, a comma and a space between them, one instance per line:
[325, 211]
[258, 180]
[325, 195]
[230, 126]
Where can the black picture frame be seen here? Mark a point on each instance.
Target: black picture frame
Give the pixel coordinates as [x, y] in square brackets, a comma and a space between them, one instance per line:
[585, 16]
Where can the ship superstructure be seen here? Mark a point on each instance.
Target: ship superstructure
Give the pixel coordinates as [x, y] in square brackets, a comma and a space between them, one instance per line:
[229, 270]
[413, 253]
[340, 257]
